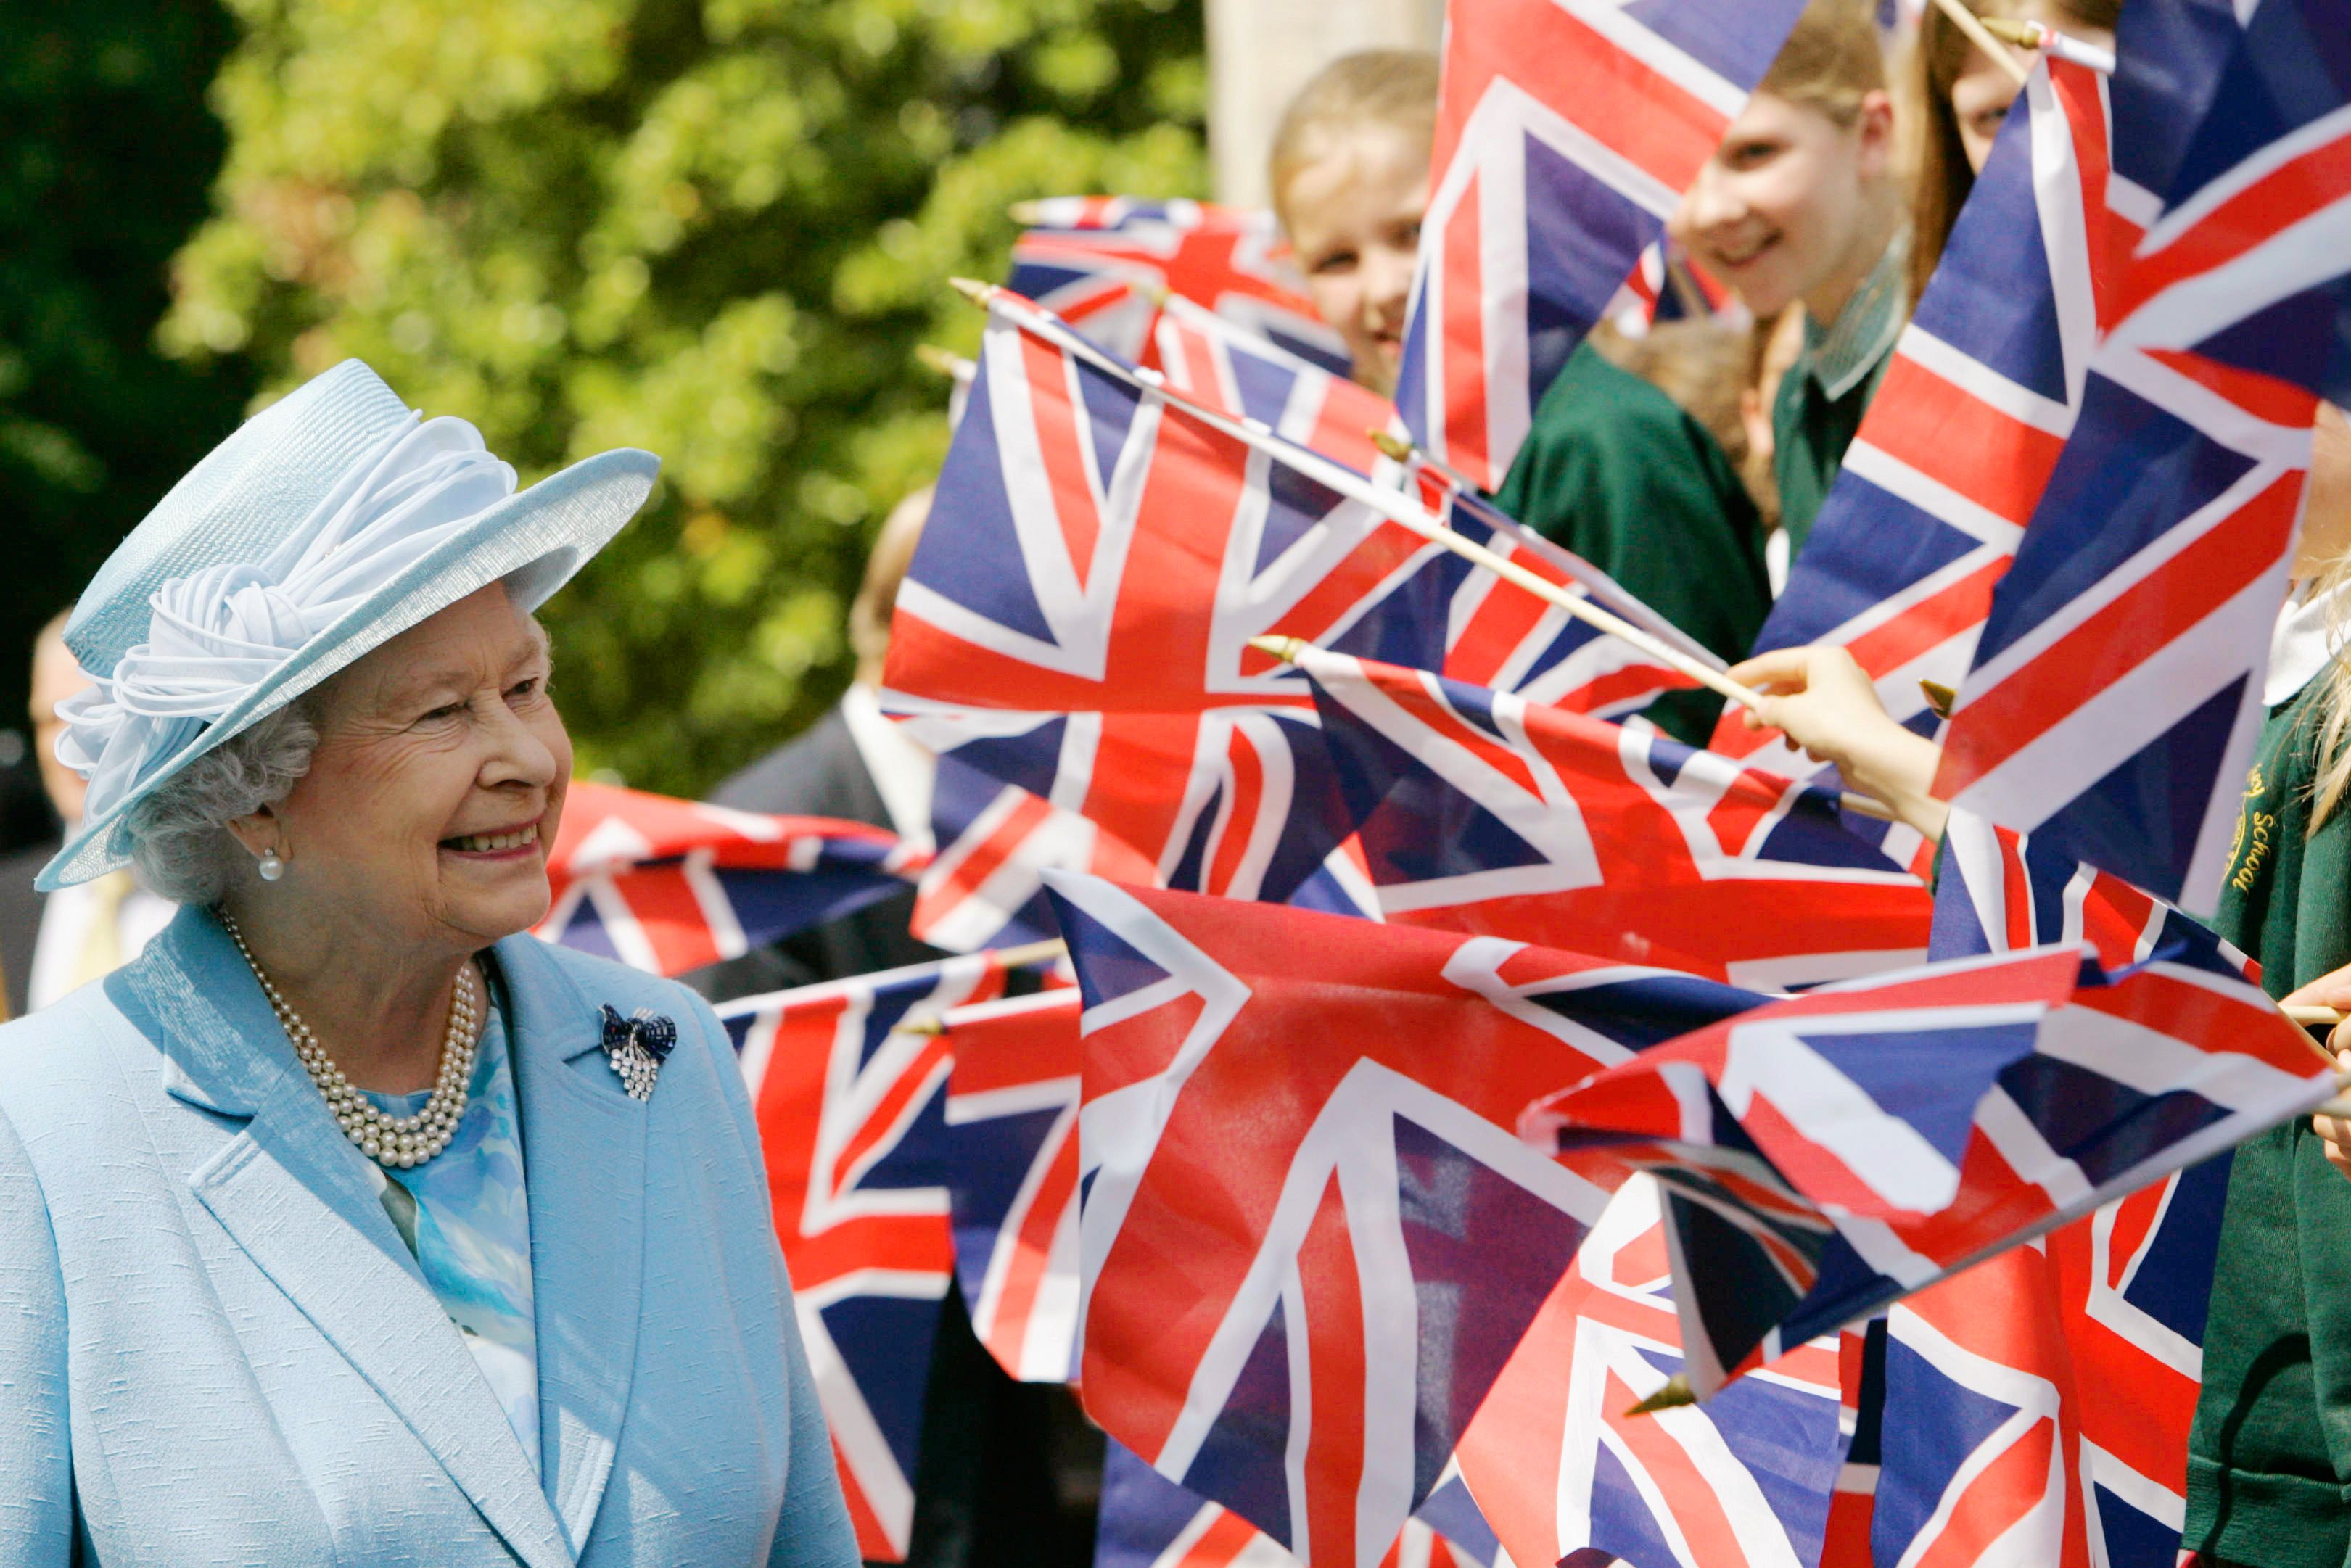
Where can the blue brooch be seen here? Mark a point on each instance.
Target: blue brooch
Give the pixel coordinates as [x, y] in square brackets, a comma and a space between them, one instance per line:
[637, 1046]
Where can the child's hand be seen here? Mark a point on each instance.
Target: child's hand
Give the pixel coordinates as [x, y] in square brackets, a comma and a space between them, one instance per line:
[1824, 703]
[2332, 990]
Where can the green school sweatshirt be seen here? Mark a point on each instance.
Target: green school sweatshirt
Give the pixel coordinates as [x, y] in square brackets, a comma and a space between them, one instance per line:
[2269, 1468]
[1615, 471]
[1825, 392]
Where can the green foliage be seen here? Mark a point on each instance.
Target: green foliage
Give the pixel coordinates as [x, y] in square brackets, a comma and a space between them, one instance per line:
[106, 150]
[715, 230]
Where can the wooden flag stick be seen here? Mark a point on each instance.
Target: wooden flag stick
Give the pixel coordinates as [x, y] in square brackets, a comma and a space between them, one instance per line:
[1027, 956]
[1292, 649]
[1028, 215]
[1971, 26]
[2050, 41]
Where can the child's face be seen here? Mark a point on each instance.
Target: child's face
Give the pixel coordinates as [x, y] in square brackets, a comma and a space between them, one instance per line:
[1353, 216]
[1983, 94]
[1783, 210]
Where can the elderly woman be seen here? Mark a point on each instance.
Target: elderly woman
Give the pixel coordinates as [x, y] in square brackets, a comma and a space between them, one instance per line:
[350, 1223]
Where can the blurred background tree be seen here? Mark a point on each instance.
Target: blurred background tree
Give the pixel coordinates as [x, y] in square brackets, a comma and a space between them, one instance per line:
[107, 151]
[714, 228]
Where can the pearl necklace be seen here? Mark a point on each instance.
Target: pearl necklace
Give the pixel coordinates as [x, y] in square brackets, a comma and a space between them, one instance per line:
[396, 1143]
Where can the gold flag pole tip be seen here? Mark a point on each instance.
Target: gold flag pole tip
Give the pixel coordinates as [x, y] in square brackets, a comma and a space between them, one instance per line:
[973, 289]
[1391, 447]
[1672, 1396]
[1286, 649]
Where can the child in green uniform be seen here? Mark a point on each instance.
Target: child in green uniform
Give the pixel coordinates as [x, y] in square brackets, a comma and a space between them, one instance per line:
[2269, 1476]
[1802, 203]
[1613, 469]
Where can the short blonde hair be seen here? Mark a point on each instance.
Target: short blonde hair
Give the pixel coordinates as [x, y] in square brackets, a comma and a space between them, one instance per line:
[1831, 61]
[1391, 88]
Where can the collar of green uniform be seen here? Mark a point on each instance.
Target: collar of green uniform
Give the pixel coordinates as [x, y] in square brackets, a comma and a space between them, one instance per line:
[1842, 354]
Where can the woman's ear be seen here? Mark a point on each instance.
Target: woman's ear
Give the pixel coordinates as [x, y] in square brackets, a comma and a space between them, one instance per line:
[261, 831]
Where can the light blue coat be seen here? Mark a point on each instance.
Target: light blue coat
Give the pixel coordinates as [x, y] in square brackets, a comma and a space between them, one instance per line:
[214, 1349]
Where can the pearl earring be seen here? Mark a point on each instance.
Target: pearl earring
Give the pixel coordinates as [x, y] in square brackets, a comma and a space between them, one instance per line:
[271, 867]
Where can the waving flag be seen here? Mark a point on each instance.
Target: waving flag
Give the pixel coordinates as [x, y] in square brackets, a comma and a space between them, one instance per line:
[1207, 357]
[1566, 132]
[2116, 691]
[1959, 442]
[2052, 1389]
[1561, 1466]
[1482, 812]
[1668, 286]
[851, 1116]
[1838, 1150]
[670, 885]
[1078, 616]
[1309, 1240]
[1012, 1179]
[1105, 263]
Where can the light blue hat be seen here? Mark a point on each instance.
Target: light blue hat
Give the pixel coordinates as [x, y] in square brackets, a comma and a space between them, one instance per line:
[330, 522]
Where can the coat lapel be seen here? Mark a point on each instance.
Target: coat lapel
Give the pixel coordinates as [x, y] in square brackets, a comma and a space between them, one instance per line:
[291, 1192]
[584, 1158]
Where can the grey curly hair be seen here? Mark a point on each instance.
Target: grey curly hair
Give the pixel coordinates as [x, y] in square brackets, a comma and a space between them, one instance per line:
[179, 835]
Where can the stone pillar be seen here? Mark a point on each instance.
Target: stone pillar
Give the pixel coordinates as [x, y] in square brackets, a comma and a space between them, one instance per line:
[1262, 51]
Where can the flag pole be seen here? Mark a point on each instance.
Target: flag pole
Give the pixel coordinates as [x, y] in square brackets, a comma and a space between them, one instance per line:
[1397, 509]
[1971, 26]
[2050, 41]
[1027, 956]
[1292, 650]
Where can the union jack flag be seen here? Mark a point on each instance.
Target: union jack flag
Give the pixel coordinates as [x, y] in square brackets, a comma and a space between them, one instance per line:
[1960, 442]
[1566, 132]
[1149, 1522]
[2102, 1326]
[1105, 263]
[1841, 1149]
[1012, 1179]
[670, 885]
[1561, 1466]
[1078, 616]
[1482, 812]
[1297, 1321]
[2037, 1406]
[2116, 688]
[1240, 372]
[851, 1110]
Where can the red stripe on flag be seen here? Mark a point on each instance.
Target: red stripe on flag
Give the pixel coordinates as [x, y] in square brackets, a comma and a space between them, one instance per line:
[1333, 1318]
[2120, 637]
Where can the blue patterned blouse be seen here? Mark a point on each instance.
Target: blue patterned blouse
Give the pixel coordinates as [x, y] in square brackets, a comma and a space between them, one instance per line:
[464, 1215]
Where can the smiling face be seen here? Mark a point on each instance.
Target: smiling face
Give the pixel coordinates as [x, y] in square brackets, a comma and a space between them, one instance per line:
[1353, 213]
[435, 789]
[1791, 207]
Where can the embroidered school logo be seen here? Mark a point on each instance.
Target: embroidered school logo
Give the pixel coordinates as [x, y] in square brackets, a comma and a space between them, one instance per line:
[2250, 845]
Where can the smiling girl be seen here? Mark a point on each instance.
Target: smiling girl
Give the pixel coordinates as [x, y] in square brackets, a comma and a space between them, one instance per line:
[1612, 467]
[1804, 204]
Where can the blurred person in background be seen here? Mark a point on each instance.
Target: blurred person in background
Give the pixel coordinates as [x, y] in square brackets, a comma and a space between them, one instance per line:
[51, 944]
[1953, 103]
[1804, 204]
[1613, 468]
[1007, 1472]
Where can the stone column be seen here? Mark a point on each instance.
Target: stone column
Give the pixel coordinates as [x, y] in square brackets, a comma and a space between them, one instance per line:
[1262, 51]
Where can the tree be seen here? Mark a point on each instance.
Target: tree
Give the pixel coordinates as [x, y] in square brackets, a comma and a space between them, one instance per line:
[109, 150]
[715, 230]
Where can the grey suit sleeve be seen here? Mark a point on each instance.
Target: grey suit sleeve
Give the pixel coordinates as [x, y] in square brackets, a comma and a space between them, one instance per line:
[813, 1531]
[36, 1447]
